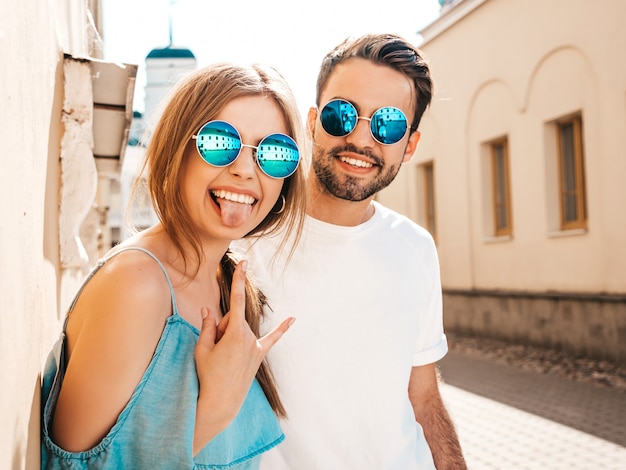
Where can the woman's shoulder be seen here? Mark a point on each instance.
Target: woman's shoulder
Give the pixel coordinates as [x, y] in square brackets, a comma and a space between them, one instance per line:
[120, 312]
[129, 287]
[136, 270]
[140, 261]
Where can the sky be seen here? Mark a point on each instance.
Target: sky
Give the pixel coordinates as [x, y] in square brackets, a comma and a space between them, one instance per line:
[291, 35]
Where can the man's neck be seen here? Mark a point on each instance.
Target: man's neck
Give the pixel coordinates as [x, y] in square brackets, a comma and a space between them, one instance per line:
[330, 209]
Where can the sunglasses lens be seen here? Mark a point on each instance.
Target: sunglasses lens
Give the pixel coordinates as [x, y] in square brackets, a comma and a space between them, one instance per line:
[338, 117]
[278, 156]
[218, 143]
[388, 125]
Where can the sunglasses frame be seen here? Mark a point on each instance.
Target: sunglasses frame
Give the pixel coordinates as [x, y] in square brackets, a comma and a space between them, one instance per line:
[253, 147]
[369, 119]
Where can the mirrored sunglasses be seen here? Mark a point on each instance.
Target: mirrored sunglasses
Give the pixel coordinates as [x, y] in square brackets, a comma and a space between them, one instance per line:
[219, 144]
[387, 125]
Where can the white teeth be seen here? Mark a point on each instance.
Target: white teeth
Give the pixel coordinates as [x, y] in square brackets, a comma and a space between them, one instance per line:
[355, 162]
[235, 197]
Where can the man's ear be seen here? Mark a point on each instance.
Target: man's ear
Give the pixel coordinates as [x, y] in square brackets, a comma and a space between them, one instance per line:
[310, 122]
[411, 145]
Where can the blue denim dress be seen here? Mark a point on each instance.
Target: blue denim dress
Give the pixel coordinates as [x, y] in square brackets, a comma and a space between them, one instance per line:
[155, 429]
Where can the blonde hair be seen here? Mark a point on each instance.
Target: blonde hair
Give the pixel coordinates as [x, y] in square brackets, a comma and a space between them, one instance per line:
[197, 99]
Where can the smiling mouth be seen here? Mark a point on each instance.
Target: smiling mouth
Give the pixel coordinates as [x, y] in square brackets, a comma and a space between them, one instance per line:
[233, 197]
[356, 162]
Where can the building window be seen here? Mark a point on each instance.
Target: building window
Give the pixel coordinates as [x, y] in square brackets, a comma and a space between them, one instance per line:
[501, 198]
[428, 175]
[571, 174]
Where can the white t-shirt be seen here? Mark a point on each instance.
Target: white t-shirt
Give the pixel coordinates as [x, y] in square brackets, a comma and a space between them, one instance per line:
[367, 303]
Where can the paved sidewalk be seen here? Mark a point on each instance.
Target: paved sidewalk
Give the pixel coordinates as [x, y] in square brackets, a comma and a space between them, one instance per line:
[509, 418]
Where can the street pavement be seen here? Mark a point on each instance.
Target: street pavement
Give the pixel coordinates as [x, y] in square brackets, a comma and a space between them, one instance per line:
[509, 419]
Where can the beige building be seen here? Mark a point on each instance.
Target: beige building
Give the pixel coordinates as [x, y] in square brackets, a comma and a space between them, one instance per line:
[521, 167]
[66, 116]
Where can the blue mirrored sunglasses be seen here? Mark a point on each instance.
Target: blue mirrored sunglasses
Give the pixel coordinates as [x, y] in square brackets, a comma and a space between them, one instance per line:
[219, 144]
[387, 125]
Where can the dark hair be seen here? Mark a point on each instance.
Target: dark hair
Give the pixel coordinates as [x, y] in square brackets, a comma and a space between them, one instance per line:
[384, 49]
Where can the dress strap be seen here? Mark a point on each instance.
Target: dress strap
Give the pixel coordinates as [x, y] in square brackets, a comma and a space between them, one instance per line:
[101, 263]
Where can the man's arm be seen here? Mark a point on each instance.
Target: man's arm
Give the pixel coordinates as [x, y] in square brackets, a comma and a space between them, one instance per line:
[431, 413]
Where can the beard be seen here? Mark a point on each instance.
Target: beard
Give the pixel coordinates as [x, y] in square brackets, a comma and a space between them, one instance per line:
[347, 187]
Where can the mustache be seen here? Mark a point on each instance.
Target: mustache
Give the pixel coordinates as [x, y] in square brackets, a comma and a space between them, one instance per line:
[335, 151]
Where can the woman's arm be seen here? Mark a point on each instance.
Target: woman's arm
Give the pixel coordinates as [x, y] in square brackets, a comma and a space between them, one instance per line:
[111, 336]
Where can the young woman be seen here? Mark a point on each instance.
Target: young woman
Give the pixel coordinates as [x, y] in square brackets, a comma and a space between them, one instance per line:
[160, 364]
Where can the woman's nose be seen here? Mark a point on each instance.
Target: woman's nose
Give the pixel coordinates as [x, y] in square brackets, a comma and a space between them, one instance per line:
[244, 165]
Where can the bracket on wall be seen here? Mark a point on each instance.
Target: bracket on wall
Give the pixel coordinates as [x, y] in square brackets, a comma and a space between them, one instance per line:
[97, 114]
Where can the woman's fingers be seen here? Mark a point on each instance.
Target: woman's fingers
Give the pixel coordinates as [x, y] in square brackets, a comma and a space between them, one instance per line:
[273, 336]
[221, 327]
[237, 302]
[238, 293]
[235, 320]
[208, 331]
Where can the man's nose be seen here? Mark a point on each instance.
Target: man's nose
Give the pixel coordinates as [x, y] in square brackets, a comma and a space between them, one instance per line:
[361, 134]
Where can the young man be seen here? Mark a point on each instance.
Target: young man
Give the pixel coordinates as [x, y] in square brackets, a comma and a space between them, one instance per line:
[357, 373]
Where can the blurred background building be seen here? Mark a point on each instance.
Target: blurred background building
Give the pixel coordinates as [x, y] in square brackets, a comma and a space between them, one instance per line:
[164, 67]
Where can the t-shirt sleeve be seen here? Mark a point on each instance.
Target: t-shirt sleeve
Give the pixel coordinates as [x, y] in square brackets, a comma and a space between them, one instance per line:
[435, 353]
[431, 344]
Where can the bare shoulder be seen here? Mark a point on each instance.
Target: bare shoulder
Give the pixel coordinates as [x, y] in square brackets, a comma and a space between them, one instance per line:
[128, 295]
[111, 335]
[131, 278]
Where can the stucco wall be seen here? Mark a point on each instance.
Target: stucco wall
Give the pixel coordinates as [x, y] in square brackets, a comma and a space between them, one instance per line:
[33, 288]
[28, 271]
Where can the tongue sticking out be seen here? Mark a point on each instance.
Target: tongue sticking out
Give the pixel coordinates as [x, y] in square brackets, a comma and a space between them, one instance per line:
[234, 214]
